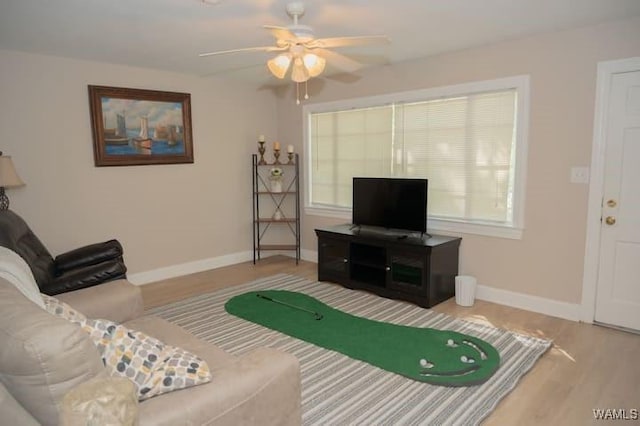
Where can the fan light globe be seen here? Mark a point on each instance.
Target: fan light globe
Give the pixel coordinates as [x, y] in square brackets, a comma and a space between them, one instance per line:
[314, 63]
[299, 73]
[279, 65]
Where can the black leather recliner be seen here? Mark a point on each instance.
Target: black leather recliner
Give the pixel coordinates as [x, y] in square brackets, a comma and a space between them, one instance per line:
[83, 267]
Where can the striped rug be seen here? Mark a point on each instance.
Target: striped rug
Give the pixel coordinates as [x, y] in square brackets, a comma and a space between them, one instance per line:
[337, 390]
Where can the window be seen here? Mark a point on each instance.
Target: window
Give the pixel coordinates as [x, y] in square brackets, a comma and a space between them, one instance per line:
[468, 140]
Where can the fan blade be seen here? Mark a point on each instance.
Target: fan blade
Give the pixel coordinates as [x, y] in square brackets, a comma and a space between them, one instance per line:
[326, 43]
[281, 33]
[337, 60]
[246, 49]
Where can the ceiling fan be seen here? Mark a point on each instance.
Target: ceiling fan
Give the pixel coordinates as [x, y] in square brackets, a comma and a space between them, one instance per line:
[301, 52]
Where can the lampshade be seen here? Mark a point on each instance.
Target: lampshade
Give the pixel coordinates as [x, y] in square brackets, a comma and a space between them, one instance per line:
[279, 65]
[314, 63]
[8, 176]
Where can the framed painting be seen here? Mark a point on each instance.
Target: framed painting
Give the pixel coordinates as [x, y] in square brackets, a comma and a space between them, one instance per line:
[138, 127]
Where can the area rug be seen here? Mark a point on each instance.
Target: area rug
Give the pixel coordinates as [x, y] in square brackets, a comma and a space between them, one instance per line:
[338, 390]
[438, 357]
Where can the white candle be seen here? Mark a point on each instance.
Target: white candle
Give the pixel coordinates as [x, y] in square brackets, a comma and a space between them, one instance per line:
[261, 138]
[276, 146]
[290, 148]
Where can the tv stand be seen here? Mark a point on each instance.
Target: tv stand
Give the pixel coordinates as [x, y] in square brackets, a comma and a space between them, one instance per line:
[420, 269]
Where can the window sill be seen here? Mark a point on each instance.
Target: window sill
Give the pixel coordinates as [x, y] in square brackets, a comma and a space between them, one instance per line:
[447, 226]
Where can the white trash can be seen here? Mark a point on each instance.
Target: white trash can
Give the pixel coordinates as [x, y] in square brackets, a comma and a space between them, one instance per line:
[465, 290]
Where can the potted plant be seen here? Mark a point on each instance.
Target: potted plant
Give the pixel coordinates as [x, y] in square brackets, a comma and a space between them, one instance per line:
[275, 176]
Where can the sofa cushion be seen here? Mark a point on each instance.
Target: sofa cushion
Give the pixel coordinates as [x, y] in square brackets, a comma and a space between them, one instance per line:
[41, 357]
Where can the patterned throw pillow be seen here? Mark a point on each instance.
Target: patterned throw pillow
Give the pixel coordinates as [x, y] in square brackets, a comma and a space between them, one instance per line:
[61, 309]
[153, 367]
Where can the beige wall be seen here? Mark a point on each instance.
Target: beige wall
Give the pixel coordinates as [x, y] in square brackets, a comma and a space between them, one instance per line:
[169, 215]
[165, 214]
[548, 261]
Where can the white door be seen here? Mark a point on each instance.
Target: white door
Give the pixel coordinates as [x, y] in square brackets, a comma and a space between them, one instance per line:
[618, 285]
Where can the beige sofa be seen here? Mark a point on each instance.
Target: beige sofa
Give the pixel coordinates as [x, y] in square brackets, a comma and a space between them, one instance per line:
[43, 357]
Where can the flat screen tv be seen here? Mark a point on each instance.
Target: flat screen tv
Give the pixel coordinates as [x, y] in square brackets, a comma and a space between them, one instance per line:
[390, 203]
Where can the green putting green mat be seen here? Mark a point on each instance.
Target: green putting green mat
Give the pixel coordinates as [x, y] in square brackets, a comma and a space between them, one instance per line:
[439, 357]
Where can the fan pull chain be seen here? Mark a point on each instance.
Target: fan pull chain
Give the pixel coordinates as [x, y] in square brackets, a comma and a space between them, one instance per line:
[306, 89]
[297, 93]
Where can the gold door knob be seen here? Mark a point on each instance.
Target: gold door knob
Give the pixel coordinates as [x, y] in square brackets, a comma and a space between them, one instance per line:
[610, 220]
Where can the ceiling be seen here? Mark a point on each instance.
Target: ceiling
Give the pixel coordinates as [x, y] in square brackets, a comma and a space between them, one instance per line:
[169, 34]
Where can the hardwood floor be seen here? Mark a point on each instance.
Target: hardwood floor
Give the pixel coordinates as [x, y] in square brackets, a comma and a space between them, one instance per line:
[588, 367]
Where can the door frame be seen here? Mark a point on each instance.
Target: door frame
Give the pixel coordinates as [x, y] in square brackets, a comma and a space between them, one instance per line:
[606, 69]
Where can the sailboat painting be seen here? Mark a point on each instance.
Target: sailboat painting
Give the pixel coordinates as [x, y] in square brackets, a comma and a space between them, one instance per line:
[137, 127]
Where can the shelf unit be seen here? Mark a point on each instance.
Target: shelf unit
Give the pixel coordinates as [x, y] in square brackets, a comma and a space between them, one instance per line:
[266, 204]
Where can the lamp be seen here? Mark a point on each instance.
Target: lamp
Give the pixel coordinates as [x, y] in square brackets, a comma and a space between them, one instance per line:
[8, 179]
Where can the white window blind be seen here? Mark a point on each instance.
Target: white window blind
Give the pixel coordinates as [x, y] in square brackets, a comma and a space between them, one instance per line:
[465, 142]
[347, 144]
[464, 147]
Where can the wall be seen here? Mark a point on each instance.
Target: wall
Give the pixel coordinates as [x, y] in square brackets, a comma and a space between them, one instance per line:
[548, 260]
[163, 214]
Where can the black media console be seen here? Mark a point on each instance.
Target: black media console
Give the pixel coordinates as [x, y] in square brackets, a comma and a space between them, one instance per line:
[410, 266]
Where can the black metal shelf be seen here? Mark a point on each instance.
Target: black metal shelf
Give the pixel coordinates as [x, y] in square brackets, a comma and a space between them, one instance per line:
[272, 204]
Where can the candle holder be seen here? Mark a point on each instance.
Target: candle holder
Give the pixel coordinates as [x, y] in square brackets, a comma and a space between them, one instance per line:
[290, 155]
[261, 150]
[276, 154]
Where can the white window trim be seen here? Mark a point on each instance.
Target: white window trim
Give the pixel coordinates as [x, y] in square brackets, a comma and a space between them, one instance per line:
[519, 83]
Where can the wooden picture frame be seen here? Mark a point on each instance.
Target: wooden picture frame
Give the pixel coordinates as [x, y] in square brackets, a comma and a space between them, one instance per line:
[140, 127]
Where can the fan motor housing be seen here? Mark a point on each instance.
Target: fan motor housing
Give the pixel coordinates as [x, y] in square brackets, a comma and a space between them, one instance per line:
[303, 32]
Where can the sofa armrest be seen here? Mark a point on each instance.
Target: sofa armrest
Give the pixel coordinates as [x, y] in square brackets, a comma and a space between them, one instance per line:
[88, 255]
[117, 301]
[12, 412]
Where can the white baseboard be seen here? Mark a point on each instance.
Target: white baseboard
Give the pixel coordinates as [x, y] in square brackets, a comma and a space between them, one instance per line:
[554, 308]
[179, 270]
[309, 255]
[527, 302]
[541, 305]
[182, 269]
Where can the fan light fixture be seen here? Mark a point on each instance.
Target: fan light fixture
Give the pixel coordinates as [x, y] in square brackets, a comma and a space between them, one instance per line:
[305, 67]
[297, 49]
